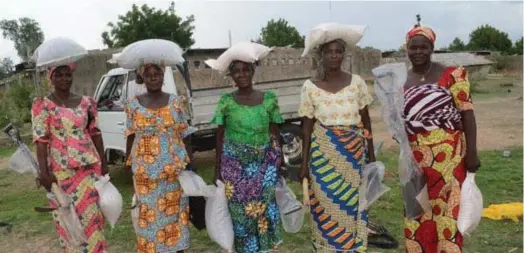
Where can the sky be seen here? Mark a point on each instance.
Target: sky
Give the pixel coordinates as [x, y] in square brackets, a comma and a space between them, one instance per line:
[387, 21]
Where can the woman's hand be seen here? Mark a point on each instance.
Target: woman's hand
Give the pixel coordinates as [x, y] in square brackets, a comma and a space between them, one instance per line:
[217, 175]
[46, 180]
[105, 169]
[304, 172]
[472, 163]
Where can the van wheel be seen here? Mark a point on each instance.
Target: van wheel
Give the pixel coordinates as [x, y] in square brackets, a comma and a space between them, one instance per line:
[292, 149]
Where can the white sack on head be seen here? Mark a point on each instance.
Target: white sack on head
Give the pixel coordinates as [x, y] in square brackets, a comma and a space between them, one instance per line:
[243, 51]
[326, 32]
[151, 51]
[57, 52]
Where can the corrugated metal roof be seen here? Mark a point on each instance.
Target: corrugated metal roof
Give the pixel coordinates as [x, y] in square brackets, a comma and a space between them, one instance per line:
[460, 59]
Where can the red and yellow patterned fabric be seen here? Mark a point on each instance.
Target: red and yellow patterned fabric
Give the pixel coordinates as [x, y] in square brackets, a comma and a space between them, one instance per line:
[440, 153]
[75, 163]
[421, 30]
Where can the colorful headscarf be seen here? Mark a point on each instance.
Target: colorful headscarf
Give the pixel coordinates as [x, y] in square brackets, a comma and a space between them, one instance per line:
[421, 30]
[52, 70]
[144, 67]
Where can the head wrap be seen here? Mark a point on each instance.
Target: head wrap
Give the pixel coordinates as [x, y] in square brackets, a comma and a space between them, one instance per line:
[423, 31]
[53, 69]
[144, 67]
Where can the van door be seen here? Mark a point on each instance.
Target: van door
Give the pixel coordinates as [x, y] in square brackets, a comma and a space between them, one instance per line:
[111, 115]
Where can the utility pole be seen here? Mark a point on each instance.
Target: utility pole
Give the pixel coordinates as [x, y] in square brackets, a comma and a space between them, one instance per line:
[229, 33]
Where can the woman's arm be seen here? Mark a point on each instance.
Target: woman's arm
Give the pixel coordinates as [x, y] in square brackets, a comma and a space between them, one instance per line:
[366, 121]
[275, 131]
[189, 151]
[99, 145]
[129, 146]
[307, 130]
[470, 132]
[219, 148]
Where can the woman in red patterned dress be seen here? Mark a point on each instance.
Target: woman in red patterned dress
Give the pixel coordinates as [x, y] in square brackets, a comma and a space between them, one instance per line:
[70, 153]
[441, 128]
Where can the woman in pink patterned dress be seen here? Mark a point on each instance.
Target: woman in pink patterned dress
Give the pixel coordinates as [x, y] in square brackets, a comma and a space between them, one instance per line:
[70, 153]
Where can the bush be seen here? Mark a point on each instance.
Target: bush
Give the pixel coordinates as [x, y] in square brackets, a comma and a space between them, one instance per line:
[16, 104]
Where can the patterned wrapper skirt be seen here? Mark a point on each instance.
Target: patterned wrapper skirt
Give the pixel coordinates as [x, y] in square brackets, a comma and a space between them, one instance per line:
[79, 185]
[250, 176]
[163, 218]
[337, 156]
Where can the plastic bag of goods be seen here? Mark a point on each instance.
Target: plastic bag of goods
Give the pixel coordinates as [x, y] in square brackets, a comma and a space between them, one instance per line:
[57, 52]
[291, 210]
[243, 51]
[327, 32]
[134, 212]
[151, 51]
[389, 82]
[192, 184]
[67, 216]
[110, 200]
[471, 205]
[371, 187]
[218, 220]
[22, 161]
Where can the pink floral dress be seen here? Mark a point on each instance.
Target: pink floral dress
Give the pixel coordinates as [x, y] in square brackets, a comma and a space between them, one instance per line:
[73, 159]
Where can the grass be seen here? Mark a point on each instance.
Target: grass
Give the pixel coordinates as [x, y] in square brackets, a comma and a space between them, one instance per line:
[500, 180]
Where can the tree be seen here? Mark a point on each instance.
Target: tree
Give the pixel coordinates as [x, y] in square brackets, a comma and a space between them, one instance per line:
[6, 67]
[278, 33]
[25, 33]
[487, 37]
[518, 46]
[457, 45]
[144, 22]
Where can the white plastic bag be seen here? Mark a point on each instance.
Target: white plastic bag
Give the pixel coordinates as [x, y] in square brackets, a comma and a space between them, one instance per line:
[243, 51]
[371, 187]
[155, 51]
[110, 200]
[390, 79]
[193, 185]
[218, 220]
[134, 212]
[22, 161]
[326, 32]
[67, 216]
[58, 51]
[291, 210]
[471, 205]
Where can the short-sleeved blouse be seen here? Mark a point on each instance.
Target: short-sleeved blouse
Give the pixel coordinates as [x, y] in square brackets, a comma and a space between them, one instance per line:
[335, 109]
[245, 123]
[68, 131]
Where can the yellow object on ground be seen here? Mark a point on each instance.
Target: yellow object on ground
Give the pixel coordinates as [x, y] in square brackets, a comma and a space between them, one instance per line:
[510, 211]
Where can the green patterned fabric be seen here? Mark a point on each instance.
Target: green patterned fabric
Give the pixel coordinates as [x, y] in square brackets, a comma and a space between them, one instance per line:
[245, 123]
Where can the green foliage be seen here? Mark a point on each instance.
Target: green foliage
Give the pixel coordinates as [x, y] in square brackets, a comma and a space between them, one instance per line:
[16, 104]
[278, 33]
[6, 67]
[25, 33]
[457, 45]
[487, 37]
[518, 46]
[144, 22]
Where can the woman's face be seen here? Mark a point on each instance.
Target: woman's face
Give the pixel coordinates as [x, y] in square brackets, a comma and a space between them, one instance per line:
[62, 78]
[153, 78]
[419, 50]
[333, 54]
[242, 74]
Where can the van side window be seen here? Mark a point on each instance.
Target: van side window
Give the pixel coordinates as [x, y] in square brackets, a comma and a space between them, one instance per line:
[110, 95]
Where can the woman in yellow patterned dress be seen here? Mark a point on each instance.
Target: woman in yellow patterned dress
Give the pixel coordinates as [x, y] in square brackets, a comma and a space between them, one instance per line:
[337, 144]
[156, 128]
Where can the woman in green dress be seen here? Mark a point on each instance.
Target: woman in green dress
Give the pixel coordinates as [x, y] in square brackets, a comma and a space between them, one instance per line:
[249, 160]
